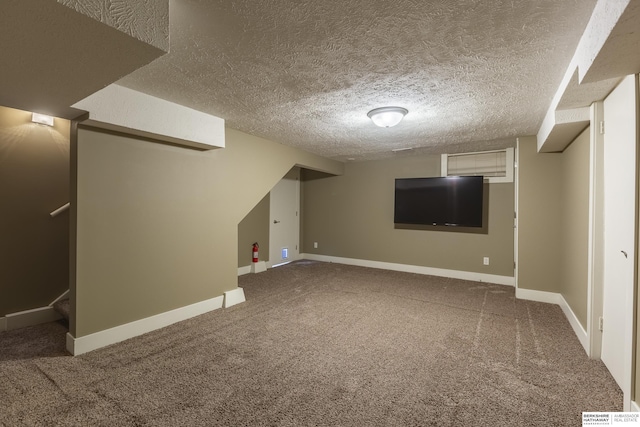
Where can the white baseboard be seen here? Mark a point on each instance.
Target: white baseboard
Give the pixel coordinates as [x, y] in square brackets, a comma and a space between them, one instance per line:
[539, 296]
[80, 345]
[3, 324]
[255, 267]
[258, 267]
[233, 297]
[558, 299]
[575, 324]
[441, 272]
[634, 407]
[244, 270]
[22, 319]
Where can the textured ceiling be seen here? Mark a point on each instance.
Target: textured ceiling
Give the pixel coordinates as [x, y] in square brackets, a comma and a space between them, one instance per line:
[143, 19]
[473, 74]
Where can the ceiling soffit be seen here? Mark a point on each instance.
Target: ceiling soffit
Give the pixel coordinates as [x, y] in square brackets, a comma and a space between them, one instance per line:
[606, 53]
[306, 73]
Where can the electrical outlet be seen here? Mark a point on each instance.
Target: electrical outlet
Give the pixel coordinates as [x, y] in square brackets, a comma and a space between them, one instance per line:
[485, 260]
[315, 245]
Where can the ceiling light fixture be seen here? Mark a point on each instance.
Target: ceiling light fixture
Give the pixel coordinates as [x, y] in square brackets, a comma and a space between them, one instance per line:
[43, 119]
[387, 117]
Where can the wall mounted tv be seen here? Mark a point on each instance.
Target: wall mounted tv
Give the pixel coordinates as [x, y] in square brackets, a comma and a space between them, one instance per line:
[454, 201]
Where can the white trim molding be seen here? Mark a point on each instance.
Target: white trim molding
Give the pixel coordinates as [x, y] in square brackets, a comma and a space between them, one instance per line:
[244, 270]
[255, 267]
[64, 295]
[539, 296]
[81, 345]
[441, 272]
[258, 267]
[558, 299]
[578, 329]
[60, 210]
[33, 317]
[233, 297]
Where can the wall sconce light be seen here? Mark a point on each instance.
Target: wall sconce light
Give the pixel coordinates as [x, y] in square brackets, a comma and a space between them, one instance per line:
[43, 119]
[387, 117]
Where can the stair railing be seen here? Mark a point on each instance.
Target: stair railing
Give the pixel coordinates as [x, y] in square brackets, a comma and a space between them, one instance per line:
[59, 210]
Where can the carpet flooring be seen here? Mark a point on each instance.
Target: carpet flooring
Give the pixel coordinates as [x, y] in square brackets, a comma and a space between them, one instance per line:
[319, 344]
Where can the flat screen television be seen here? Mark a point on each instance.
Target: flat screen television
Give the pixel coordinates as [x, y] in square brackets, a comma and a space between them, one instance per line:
[455, 201]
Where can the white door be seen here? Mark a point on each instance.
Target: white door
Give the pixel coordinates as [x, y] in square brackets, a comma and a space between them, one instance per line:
[619, 231]
[284, 230]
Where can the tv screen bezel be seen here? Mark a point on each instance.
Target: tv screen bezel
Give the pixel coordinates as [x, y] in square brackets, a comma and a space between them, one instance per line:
[466, 192]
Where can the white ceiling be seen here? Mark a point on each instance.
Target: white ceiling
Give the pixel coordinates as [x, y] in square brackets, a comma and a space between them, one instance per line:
[474, 74]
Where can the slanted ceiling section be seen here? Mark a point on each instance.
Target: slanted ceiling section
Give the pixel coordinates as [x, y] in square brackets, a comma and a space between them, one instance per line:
[58, 55]
[607, 52]
[146, 20]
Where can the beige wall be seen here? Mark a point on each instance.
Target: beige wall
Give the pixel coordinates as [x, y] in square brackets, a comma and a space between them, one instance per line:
[352, 216]
[34, 180]
[575, 225]
[157, 226]
[553, 221]
[254, 228]
[539, 218]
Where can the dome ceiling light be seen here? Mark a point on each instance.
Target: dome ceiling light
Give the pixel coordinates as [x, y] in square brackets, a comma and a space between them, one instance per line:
[387, 117]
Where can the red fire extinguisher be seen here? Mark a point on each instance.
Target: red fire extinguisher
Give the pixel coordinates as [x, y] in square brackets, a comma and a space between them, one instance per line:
[255, 252]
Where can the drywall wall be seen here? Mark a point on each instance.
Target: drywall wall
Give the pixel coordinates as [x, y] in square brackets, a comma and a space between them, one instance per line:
[34, 180]
[553, 221]
[157, 225]
[574, 223]
[254, 228]
[352, 216]
[539, 217]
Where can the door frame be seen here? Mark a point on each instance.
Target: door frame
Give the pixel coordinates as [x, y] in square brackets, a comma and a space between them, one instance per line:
[629, 307]
[273, 251]
[595, 273]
